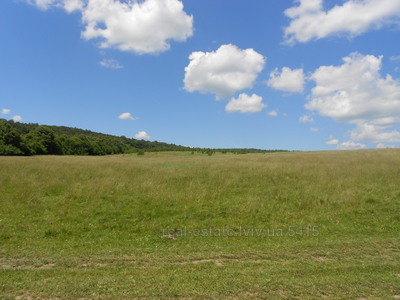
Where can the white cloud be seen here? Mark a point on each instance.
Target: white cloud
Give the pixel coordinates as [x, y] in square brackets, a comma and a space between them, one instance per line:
[395, 58]
[141, 27]
[16, 118]
[6, 111]
[332, 141]
[350, 145]
[313, 129]
[304, 7]
[224, 71]
[272, 113]
[383, 146]
[111, 64]
[380, 146]
[126, 116]
[356, 93]
[142, 135]
[72, 5]
[245, 104]
[374, 133]
[309, 20]
[42, 4]
[287, 80]
[306, 119]
[68, 5]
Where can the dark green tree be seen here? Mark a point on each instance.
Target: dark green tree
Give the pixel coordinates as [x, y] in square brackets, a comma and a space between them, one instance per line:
[10, 140]
[41, 140]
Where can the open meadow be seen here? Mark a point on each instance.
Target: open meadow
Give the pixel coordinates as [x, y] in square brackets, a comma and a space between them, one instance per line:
[297, 225]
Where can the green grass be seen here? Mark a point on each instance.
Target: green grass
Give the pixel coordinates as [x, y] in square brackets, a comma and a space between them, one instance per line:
[328, 226]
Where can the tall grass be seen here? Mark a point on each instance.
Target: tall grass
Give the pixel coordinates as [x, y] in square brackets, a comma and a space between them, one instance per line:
[182, 225]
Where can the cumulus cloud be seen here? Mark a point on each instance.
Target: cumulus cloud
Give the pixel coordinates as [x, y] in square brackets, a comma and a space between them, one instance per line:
[140, 27]
[332, 141]
[287, 80]
[306, 119]
[111, 64]
[137, 26]
[142, 135]
[16, 118]
[272, 113]
[6, 111]
[224, 71]
[313, 129]
[374, 133]
[126, 116]
[350, 145]
[72, 5]
[245, 104]
[383, 146]
[310, 21]
[356, 93]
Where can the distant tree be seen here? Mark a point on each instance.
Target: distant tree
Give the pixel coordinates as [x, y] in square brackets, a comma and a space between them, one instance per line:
[64, 144]
[140, 152]
[10, 140]
[10, 150]
[41, 141]
[18, 138]
[80, 145]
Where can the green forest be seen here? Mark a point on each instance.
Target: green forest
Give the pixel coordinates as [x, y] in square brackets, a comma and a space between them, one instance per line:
[33, 139]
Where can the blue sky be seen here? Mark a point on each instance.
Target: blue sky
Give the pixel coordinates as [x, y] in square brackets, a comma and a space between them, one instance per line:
[296, 75]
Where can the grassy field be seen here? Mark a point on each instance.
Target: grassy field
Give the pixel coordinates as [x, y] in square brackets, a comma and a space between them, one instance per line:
[305, 225]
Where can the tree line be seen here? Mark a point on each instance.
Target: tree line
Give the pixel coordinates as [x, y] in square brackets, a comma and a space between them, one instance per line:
[33, 139]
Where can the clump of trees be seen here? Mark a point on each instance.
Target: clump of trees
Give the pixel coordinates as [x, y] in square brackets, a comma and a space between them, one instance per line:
[33, 139]
[10, 140]
[41, 140]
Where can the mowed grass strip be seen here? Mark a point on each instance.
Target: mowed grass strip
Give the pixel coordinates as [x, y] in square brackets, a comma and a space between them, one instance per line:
[175, 225]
